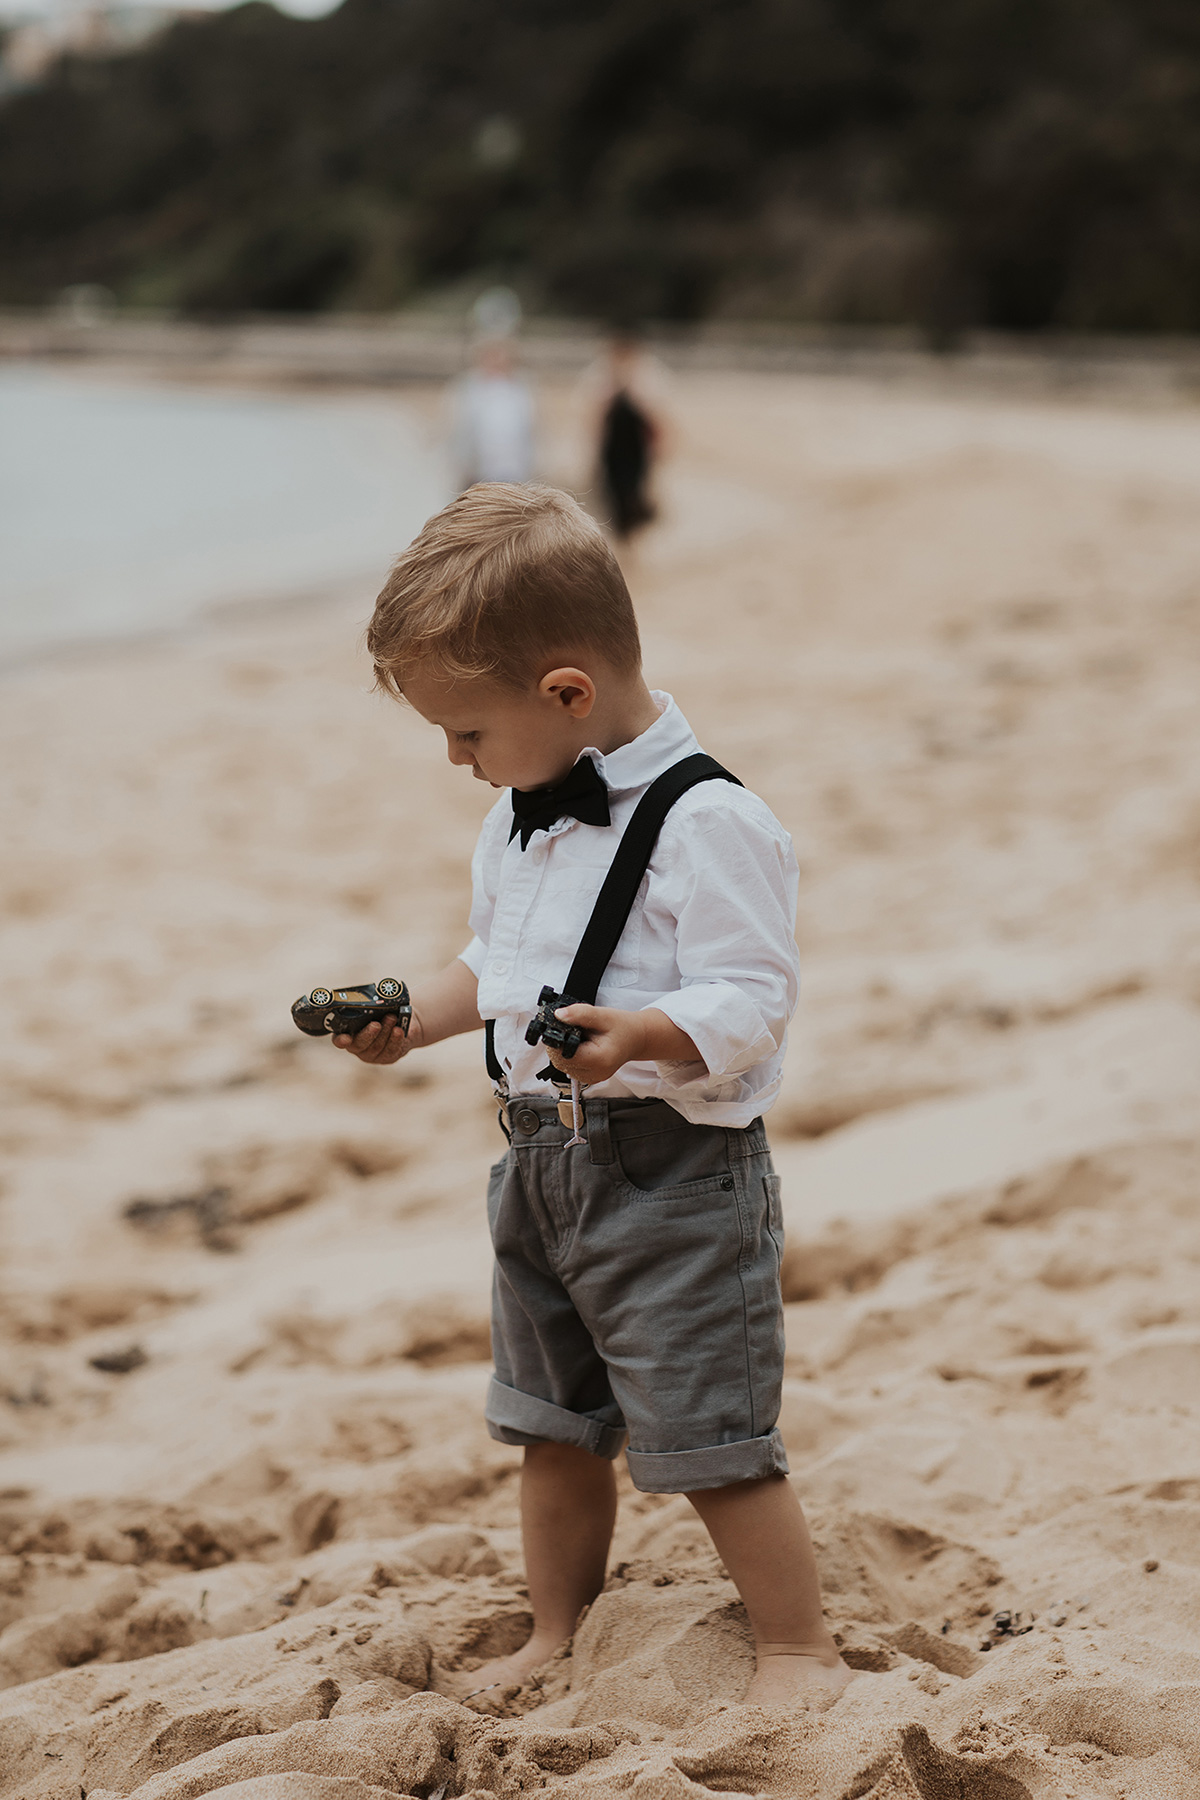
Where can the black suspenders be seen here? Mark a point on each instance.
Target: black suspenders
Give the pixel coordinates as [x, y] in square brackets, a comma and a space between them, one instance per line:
[619, 890]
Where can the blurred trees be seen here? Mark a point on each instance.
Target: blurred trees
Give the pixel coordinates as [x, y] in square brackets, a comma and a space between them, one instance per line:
[1016, 163]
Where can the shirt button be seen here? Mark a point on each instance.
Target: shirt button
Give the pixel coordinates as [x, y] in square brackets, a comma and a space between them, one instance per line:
[500, 968]
[527, 1121]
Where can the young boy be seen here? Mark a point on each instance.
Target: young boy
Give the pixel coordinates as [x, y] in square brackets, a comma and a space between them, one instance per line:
[636, 1288]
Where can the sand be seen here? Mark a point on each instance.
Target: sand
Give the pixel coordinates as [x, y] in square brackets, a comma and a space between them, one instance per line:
[249, 1515]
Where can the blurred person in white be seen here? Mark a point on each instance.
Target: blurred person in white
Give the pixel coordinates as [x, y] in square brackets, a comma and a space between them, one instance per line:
[493, 419]
[626, 399]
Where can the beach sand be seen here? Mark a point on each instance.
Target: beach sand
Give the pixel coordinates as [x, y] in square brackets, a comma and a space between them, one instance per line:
[249, 1513]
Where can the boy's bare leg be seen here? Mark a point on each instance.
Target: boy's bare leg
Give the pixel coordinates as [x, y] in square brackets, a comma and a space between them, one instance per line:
[761, 1537]
[568, 1509]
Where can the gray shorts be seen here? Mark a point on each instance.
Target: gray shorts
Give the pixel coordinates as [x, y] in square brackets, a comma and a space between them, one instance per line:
[636, 1292]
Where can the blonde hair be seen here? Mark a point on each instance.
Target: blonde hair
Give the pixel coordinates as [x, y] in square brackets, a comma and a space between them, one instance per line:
[501, 585]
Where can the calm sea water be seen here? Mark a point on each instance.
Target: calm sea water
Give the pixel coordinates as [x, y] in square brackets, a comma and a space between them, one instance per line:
[128, 505]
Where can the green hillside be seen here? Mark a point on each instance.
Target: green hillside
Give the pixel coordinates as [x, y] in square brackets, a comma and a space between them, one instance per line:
[1015, 163]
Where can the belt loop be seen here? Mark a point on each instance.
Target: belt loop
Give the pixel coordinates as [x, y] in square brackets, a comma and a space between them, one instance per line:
[599, 1136]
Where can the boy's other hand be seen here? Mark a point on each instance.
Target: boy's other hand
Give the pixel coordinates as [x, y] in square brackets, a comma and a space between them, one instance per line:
[445, 1005]
[615, 1038]
[379, 1042]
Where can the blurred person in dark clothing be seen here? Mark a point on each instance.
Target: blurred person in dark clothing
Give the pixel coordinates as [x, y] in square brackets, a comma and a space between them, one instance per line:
[627, 389]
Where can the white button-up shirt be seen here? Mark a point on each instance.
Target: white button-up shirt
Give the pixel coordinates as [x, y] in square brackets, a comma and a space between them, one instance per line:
[710, 940]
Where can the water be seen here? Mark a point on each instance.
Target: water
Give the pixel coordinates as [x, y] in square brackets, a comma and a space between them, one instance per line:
[128, 505]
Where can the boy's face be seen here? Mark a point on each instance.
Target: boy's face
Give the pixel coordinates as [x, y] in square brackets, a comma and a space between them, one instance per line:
[526, 739]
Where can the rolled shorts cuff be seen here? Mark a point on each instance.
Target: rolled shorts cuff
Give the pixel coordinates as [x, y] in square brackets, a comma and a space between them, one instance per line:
[720, 1465]
[516, 1418]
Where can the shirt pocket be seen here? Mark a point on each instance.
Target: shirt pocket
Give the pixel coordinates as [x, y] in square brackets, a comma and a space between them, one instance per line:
[625, 965]
[554, 928]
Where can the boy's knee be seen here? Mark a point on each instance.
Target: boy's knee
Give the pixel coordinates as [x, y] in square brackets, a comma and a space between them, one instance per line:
[551, 1455]
[732, 1490]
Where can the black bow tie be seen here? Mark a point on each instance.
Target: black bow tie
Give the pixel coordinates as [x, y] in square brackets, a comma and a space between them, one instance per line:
[583, 795]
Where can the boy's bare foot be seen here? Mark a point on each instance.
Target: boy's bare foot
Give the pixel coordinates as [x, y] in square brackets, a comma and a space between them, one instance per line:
[483, 1687]
[798, 1678]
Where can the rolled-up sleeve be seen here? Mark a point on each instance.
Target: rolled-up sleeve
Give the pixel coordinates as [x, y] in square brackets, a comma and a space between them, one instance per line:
[731, 881]
[473, 956]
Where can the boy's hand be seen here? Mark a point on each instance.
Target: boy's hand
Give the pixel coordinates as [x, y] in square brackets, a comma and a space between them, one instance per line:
[445, 1005]
[381, 1042]
[615, 1038]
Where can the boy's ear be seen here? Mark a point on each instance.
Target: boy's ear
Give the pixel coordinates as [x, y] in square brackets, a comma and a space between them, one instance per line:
[573, 689]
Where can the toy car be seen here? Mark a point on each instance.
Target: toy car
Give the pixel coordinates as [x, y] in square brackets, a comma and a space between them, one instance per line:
[545, 1028]
[332, 1011]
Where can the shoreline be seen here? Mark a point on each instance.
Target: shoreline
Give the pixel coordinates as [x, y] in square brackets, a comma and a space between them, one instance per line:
[140, 505]
[419, 349]
[208, 618]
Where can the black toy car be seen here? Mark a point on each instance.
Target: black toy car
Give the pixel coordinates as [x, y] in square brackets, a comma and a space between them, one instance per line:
[546, 1029]
[328, 1012]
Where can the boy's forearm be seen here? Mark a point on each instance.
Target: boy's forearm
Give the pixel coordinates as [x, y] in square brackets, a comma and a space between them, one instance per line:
[663, 1040]
[446, 1005]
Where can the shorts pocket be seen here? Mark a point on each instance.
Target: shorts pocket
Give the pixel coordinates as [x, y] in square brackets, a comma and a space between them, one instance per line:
[495, 1188]
[678, 1159]
[773, 1189]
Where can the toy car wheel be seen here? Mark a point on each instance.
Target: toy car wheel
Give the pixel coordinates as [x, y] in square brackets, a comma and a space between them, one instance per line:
[320, 997]
[388, 988]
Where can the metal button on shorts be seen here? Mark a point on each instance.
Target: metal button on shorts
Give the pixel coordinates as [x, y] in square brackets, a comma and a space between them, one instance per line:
[527, 1121]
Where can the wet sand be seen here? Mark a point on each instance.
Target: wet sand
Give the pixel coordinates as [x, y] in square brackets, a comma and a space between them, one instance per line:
[249, 1515]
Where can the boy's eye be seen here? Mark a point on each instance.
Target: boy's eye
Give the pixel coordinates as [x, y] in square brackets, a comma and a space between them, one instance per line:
[467, 737]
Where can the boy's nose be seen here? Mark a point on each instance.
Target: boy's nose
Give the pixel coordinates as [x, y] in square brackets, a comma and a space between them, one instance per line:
[459, 754]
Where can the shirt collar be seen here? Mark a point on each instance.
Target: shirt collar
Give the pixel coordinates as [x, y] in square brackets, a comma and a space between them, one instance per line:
[661, 745]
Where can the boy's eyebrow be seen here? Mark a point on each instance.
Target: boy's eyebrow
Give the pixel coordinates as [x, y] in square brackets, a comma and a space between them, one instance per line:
[437, 719]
